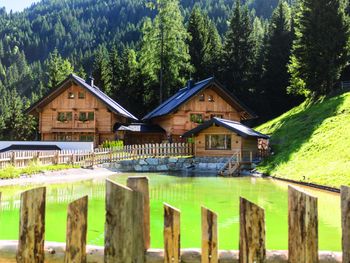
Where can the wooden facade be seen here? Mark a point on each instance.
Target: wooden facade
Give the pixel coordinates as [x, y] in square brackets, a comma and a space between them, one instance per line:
[74, 113]
[198, 109]
[234, 143]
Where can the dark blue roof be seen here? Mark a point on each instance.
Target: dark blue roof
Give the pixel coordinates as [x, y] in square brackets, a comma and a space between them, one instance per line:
[30, 147]
[110, 103]
[234, 126]
[187, 93]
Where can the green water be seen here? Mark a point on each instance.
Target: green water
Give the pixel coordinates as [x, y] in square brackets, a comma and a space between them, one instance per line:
[188, 194]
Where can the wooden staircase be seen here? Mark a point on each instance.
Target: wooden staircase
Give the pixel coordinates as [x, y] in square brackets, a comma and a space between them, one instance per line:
[232, 167]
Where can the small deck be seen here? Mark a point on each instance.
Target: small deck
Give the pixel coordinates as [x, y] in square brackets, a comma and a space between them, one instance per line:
[239, 159]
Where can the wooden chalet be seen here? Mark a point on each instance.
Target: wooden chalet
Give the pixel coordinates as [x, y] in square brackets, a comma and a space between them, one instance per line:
[220, 137]
[77, 110]
[194, 105]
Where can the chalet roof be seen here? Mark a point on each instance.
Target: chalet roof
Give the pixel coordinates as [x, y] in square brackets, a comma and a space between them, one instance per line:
[185, 94]
[141, 127]
[234, 126]
[110, 103]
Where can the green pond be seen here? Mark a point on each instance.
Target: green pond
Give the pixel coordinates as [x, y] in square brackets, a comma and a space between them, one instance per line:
[187, 194]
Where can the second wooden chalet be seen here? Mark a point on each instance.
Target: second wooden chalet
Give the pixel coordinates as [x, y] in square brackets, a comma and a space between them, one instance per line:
[77, 110]
[195, 104]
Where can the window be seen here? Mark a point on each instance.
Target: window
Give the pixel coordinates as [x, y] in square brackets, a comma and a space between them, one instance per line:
[210, 98]
[91, 116]
[81, 95]
[64, 116]
[82, 116]
[217, 116]
[218, 142]
[86, 116]
[64, 137]
[202, 97]
[86, 138]
[71, 95]
[197, 118]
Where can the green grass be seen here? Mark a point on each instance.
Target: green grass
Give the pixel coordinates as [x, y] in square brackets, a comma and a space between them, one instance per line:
[311, 143]
[13, 172]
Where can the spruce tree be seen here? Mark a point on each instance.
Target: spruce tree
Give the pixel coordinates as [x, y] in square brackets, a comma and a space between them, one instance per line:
[238, 49]
[164, 57]
[320, 50]
[102, 70]
[204, 44]
[57, 69]
[278, 50]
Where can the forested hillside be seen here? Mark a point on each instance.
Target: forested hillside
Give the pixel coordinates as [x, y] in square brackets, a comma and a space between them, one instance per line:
[141, 51]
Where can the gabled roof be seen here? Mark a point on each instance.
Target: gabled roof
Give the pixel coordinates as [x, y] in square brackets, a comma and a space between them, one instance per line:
[234, 126]
[110, 103]
[185, 94]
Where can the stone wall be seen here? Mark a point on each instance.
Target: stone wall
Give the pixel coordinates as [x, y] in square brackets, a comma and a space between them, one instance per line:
[170, 164]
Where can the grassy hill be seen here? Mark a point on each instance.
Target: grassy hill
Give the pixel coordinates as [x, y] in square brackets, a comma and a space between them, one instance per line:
[311, 143]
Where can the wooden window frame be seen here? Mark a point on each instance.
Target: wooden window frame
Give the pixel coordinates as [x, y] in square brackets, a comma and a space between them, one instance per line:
[227, 142]
[81, 95]
[194, 117]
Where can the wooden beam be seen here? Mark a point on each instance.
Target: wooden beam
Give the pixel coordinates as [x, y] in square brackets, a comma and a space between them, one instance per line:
[251, 233]
[302, 227]
[123, 229]
[345, 222]
[209, 236]
[32, 226]
[141, 184]
[76, 231]
[171, 234]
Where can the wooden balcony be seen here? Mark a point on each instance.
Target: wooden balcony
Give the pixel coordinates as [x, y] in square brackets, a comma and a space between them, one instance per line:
[71, 126]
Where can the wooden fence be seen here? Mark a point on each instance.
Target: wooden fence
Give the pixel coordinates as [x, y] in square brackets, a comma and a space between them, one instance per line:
[98, 156]
[127, 228]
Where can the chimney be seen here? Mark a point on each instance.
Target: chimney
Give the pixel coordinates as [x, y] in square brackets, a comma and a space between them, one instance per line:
[190, 83]
[90, 81]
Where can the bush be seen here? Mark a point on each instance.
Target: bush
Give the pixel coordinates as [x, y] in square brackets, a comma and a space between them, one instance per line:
[113, 144]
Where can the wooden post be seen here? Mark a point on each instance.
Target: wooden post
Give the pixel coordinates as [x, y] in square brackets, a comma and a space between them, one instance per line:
[13, 159]
[303, 227]
[345, 222]
[171, 234]
[251, 157]
[209, 236]
[32, 226]
[76, 231]
[251, 233]
[123, 229]
[140, 184]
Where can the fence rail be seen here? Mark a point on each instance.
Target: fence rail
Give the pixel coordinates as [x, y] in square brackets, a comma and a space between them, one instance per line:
[127, 232]
[98, 156]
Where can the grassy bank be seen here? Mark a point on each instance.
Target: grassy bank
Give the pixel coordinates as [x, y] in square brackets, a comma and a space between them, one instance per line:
[311, 143]
[13, 172]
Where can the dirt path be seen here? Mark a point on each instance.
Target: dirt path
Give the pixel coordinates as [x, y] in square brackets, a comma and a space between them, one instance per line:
[63, 176]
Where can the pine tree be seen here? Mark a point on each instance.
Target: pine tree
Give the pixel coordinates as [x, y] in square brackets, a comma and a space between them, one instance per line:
[164, 56]
[57, 69]
[320, 50]
[116, 71]
[238, 49]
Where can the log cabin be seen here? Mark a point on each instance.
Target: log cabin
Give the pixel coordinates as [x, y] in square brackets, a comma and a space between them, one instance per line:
[77, 110]
[211, 116]
[195, 104]
[221, 137]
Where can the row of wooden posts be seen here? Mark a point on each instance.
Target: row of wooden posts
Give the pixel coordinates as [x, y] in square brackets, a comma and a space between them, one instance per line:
[127, 227]
[98, 156]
